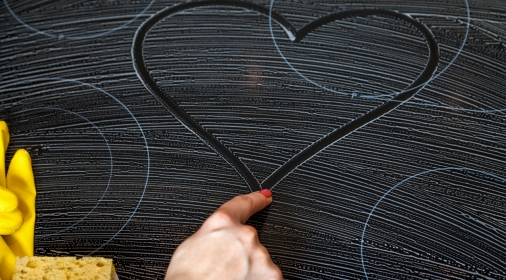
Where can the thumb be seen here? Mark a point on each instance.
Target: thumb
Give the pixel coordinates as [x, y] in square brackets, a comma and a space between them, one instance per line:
[241, 208]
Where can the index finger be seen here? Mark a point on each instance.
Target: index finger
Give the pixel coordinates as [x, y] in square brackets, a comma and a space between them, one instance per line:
[241, 208]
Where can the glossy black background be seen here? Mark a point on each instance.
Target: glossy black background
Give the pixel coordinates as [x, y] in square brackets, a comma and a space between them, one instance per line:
[103, 191]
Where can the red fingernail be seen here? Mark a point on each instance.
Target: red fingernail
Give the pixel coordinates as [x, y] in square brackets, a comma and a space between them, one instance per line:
[266, 192]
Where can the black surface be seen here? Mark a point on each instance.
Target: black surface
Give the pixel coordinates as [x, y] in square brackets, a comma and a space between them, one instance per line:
[388, 116]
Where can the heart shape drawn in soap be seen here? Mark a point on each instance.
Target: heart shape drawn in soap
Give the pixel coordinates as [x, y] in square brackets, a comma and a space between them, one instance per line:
[296, 36]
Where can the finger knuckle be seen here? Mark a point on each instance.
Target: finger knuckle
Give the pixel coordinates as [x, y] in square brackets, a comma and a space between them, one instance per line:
[263, 255]
[273, 272]
[219, 219]
[276, 274]
[249, 234]
[265, 252]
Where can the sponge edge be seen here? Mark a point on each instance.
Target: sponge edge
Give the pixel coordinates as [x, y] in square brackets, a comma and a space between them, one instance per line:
[68, 268]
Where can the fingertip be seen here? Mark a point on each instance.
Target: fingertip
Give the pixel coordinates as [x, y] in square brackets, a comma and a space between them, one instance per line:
[20, 174]
[3, 126]
[242, 207]
[5, 137]
[24, 154]
[22, 158]
[267, 193]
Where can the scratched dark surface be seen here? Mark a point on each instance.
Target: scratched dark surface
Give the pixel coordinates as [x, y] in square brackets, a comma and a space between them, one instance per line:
[416, 193]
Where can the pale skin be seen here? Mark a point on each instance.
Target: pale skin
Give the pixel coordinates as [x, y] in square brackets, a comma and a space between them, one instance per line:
[224, 247]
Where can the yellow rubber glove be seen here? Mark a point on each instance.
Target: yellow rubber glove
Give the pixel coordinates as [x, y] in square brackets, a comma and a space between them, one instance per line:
[17, 206]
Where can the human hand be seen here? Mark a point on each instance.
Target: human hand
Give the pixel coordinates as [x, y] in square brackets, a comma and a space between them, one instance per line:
[225, 248]
[17, 206]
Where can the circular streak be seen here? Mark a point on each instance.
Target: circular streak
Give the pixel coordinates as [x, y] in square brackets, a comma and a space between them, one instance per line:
[299, 36]
[110, 157]
[171, 105]
[133, 117]
[397, 185]
[61, 36]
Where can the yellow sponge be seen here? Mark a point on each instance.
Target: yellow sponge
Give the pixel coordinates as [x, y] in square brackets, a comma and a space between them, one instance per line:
[68, 268]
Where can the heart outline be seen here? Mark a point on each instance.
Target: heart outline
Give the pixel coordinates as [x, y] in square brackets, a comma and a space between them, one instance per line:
[296, 36]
